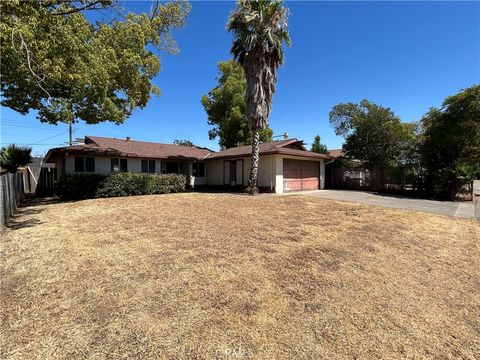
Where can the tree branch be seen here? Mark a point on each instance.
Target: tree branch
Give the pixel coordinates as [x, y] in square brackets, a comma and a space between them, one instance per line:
[86, 6]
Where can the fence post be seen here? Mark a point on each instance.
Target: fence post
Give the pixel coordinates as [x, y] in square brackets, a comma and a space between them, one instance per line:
[3, 199]
[11, 190]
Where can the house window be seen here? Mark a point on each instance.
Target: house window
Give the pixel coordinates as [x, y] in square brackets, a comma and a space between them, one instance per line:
[172, 167]
[84, 164]
[79, 164]
[198, 169]
[90, 164]
[119, 165]
[148, 166]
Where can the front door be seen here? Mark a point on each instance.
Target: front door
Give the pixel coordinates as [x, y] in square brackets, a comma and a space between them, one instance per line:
[233, 173]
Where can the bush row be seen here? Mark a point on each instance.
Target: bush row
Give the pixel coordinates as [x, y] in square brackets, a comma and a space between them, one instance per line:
[86, 186]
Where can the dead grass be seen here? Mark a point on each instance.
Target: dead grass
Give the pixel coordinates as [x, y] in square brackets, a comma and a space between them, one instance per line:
[199, 276]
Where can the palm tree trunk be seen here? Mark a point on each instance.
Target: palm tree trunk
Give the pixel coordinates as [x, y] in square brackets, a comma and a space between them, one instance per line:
[252, 188]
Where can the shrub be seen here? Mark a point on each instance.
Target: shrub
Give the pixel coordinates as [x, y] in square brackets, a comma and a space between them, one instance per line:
[78, 186]
[83, 186]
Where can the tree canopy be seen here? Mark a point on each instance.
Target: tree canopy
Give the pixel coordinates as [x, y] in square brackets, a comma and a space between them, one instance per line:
[225, 108]
[450, 141]
[66, 67]
[373, 134]
[13, 156]
[317, 146]
[184, 142]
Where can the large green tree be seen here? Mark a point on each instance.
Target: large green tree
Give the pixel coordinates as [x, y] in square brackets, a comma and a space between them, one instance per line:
[374, 134]
[450, 142]
[225, 108]
[259, 30]
[13, 156]
[69, 67]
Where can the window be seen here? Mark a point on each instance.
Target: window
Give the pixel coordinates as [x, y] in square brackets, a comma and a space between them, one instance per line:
[84, 164]
[148, 166]
[90, 164]
[172, 167]
[198, 169]
[119, 165]
[79, 164]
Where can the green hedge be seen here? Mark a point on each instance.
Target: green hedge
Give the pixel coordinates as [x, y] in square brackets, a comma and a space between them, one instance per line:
[86, 186]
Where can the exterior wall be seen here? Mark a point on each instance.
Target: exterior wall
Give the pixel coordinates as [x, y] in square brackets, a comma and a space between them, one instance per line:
[134, 165]
[322, 174]
[270, 172]
[60, 166]
[219, 170]
[214, 170]
[278, 174]
[266, 171]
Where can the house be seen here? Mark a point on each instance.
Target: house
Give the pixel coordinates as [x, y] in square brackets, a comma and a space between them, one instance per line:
[344, 172]
[284, 165]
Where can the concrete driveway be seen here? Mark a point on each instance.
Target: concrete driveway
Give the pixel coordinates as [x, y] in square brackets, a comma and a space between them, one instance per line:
[457, 209]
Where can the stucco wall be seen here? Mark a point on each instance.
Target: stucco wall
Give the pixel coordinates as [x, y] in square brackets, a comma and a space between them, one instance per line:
[270, 174]
[214, 169]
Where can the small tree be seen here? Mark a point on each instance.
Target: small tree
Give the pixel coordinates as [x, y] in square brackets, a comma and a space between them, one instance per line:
[184, 143]
[318, 147]
[13, 156]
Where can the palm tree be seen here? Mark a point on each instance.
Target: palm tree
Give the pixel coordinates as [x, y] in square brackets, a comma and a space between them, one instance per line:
[259, 28]
[13, 156]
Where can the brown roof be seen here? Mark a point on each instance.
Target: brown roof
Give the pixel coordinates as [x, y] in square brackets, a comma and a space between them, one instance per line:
[102, 146]
[292, 147]
[336, 153]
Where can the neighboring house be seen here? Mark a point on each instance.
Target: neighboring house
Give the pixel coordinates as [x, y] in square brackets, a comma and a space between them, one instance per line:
[284, 165]
[343, 173]
[347, 173]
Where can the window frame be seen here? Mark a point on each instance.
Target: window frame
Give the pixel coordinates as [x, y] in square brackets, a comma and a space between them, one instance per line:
[197, 167]
[148, 169]
[84, 164]
[119, 162]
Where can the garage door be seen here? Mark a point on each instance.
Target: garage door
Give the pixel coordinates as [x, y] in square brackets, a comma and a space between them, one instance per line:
[300, 175]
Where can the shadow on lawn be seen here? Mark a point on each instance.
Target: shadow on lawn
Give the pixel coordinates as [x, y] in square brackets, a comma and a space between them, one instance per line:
[30, 206]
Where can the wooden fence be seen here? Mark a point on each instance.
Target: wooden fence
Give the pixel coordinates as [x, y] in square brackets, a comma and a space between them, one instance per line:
[11, 190]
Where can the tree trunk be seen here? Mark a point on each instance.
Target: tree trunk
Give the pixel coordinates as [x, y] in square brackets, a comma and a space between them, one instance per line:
[252, 188]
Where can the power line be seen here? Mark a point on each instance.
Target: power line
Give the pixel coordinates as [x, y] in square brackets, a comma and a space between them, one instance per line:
[51, 137]
[29, 127]
[33, 144]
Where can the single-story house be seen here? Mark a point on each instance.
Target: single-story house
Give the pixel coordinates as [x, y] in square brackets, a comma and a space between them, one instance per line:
[284, 166]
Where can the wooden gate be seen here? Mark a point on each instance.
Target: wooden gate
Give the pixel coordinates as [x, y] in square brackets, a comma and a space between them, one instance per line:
[46, 181]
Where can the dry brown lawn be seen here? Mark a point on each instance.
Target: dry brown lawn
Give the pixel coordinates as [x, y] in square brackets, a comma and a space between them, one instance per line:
[211, 276]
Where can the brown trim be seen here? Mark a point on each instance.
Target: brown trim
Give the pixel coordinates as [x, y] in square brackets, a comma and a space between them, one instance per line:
[281, 151]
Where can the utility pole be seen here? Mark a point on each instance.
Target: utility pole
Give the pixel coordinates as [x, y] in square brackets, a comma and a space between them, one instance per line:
[70, 142]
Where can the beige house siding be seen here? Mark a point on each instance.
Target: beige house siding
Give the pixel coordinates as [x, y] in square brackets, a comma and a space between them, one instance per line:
[214, 170]
[270, 171]
[270, 174]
